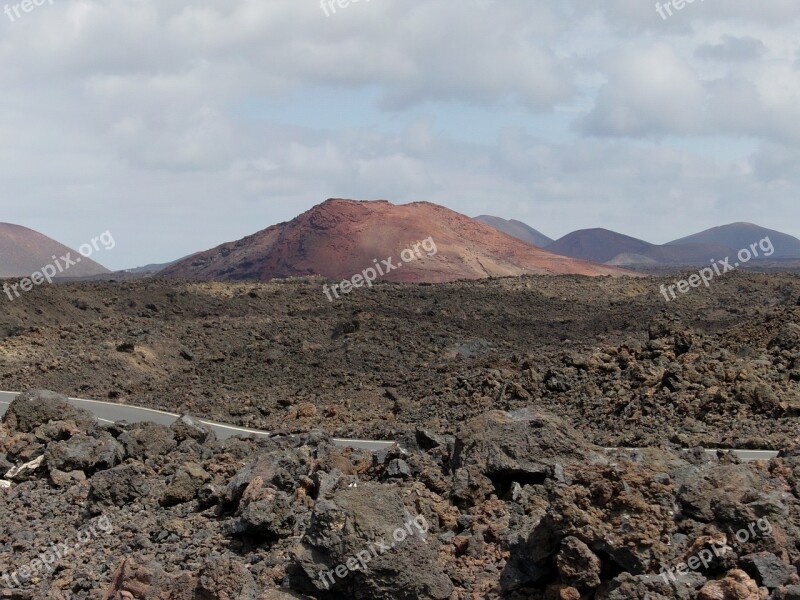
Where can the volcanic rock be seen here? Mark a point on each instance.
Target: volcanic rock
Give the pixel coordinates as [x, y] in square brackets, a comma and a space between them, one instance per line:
[340, 238]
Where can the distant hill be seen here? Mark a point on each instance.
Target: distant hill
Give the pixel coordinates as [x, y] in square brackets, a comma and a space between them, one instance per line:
[741, 235]
[24, 251]
[598, 245]
[610, 247]
[518, 229]
[154, 268]
[340, 238]
[630, 258]
[149, 269]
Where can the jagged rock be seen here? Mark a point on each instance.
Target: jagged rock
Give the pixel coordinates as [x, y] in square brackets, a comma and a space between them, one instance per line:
[562, 592]
[790, 592]
[38, 407]
[737, 585]
[427, 440]
[702, 494]
[577, 565]
[54, 431]
[5, 465]
[608, 508]
[398, 468]
[85, 453]
[184, 484]
[148, 440]
[283, 469]
[364, 522]
[266, 513]
[63, 479]
[767, 569]
[122, 485]
[188, 427]
[138, 580]
[496, 449]
[225, 580]
[26, 470]
[651, 587]
[787, 339]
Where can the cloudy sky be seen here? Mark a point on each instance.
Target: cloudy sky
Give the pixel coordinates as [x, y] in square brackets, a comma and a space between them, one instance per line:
[180, 125]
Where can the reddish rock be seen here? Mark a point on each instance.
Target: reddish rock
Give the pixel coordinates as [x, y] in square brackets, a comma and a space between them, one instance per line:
[737, 585]
[340, 238]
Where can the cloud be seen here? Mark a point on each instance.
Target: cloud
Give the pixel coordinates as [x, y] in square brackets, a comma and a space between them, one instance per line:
[732, 49]
[179, 126]
[633, 16]
[651, 91]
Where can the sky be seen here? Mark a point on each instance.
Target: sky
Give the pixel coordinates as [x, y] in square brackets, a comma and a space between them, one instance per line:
[178, 126]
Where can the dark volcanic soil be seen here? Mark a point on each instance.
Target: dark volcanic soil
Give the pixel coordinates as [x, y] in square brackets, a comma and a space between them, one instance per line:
[717, 367]
[502, 394]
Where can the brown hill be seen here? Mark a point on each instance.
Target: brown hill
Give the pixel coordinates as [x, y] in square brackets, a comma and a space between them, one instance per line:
[518, 229]
[24, 251]
[737, 236]
[610, 247]
[340, 238]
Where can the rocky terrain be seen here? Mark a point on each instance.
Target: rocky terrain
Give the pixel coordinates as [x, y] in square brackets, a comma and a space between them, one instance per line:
[504, 397]
[514, 505]
[717, 367]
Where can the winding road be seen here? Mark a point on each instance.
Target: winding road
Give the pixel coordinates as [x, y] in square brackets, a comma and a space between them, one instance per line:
[108, 412]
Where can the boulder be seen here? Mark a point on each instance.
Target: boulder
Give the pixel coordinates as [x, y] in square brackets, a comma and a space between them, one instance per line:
[122, 485]
[148, 440]
[577, 565]
[790, 592]
[188, 427]
[62, 479]
[363, 544]
[737, 585]
[282, 469]
[87, 453]
[137, 579]
[767, 569]
[225, 580]
[497, 449]
[25, 471]
[267, 514]
[38, 407]
[651, 587]
[184, 485]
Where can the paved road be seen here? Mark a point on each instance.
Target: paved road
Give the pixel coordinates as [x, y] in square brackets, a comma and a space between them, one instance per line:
[108, 412]
[744, 455]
